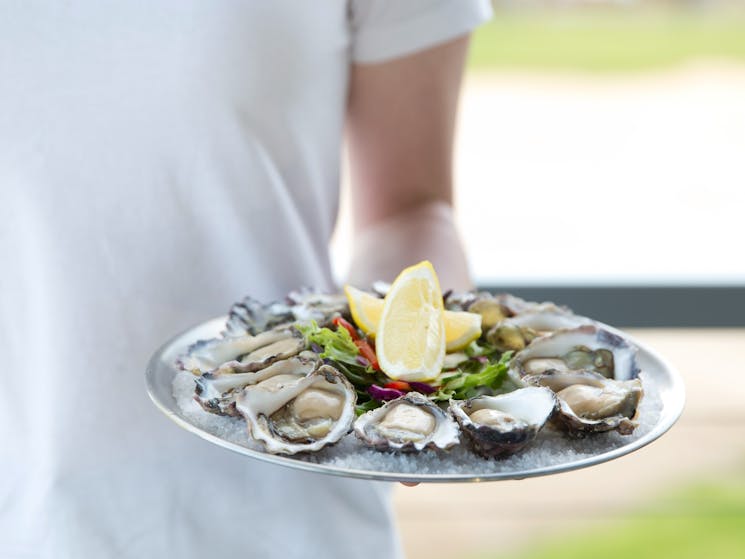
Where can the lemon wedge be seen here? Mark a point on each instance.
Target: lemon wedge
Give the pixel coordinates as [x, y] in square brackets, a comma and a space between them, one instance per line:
[461, 328]
[366, 309]
[410, 340]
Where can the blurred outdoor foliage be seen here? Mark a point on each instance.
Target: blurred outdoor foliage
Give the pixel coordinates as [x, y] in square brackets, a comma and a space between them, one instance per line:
[608, 36]
[702, 520]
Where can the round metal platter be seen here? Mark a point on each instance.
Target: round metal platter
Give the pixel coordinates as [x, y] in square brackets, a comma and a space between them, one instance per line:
[161, 372]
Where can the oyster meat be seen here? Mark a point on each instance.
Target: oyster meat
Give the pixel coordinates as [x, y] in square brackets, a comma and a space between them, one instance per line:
[499, 426]
[494, 307]
[594, 374]
[587, 347]
[408, 424]
[216, 391]
[515, 333]
[590, 402]
[291, 414]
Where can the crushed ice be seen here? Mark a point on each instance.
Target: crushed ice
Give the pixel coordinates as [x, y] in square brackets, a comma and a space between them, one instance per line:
[551, 447]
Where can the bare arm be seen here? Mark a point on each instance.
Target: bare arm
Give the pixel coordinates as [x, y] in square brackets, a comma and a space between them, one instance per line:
[400, 125]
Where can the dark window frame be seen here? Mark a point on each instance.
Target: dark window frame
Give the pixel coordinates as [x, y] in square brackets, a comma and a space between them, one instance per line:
[645, 306]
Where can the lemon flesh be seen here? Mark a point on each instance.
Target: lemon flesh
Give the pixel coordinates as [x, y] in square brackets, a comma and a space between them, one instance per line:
[410, 340]
[461, 328]
[366, 309]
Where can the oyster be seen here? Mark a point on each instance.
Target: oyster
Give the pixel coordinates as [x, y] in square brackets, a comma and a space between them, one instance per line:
[216, 391]
[407, 424]
[499, 426]
[515, 333]
[584, 348]
[291, 414]
[242, 354]
[463, 300]
[590, 402]
[249, 316]
[308, 304]
[491, 309]
[495, 308]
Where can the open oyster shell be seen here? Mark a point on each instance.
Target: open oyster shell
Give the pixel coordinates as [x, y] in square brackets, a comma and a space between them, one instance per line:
[587, 347]
[592, 371]
[249, 316]
[499, 426]
[515, 333]
[590, 402]
[242, 354]
[216, 391]
[291, 414]
[407, 424]
[494, 308]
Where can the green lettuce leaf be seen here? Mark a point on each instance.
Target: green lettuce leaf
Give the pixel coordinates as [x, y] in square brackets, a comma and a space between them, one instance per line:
[337, 345]
[468, 383]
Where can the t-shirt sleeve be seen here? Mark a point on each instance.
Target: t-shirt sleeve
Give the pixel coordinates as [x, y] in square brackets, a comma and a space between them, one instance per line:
[387, 29]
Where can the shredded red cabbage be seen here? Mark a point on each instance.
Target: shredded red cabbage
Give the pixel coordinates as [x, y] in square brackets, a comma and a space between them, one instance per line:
[383, 394]
[422, 387]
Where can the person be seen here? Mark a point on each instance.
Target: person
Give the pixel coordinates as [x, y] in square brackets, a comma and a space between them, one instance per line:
[159, 161]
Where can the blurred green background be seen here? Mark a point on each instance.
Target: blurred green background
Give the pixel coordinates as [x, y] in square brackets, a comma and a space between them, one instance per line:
[607, 37]
[703, 520]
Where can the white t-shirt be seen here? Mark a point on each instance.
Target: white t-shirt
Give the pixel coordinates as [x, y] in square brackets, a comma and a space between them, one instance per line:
[158, 161]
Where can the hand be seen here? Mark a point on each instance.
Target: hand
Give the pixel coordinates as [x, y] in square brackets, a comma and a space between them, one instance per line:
[400, 124]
